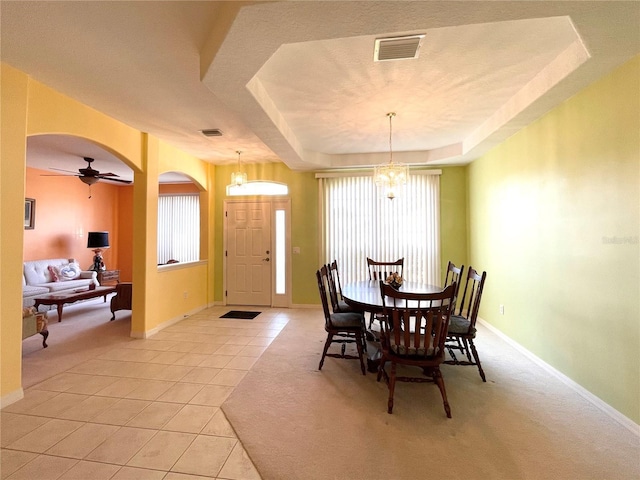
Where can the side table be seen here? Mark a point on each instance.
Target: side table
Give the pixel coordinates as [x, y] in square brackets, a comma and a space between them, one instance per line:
[108, 277]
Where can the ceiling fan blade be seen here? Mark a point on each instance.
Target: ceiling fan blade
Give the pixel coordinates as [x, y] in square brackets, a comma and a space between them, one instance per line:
[62, 170]
[116, 180]
[107, 175]
[59, 175]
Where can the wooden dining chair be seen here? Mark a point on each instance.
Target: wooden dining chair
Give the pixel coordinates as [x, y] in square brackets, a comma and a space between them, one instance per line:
[335, 290]
[380, 271]
[341, 328]
[413, 333]
[462, 328]
[454, 274]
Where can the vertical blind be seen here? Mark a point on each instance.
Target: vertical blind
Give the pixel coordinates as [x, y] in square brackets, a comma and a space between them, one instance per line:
[359, 223]
[178, 228]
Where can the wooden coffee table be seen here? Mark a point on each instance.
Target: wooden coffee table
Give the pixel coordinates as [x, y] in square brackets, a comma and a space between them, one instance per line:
[59, 299]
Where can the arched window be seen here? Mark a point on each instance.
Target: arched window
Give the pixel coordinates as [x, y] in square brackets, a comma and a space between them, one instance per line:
[257, 187]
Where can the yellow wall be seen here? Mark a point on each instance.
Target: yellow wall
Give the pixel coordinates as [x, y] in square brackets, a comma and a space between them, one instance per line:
[554, 220]
[453, 217]
[13, 123]
[52, 112]
[162, 301]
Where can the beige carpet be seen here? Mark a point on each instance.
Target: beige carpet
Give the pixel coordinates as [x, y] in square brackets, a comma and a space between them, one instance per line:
[298, 423]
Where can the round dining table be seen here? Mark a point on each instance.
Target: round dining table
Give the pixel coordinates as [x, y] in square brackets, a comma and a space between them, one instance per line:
[366, 296]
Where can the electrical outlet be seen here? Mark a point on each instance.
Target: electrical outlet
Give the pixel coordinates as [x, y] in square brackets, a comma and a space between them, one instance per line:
[501, 309]
[185, 294]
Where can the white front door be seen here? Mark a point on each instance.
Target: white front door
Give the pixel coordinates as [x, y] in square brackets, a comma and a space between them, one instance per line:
[248, 255]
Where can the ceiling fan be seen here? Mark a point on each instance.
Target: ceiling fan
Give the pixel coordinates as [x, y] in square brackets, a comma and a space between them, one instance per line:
[90, 175]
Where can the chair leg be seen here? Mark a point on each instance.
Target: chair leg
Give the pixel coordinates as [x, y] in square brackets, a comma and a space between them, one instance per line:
[452, 354]
[466, 350]
[359, 342]
[437, 378]
[392, 387]
[326, 347]
[364, 336]
[477, 360]
[381, 368]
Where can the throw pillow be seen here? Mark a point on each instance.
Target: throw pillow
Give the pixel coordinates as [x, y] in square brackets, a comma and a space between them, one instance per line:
[53, 272]
[70, 271]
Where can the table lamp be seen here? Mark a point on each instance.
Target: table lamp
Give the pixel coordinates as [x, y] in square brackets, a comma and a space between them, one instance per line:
[98, 241]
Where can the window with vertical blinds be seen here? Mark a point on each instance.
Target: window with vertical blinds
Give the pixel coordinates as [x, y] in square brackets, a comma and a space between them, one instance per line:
[178, 228]
[358, 223]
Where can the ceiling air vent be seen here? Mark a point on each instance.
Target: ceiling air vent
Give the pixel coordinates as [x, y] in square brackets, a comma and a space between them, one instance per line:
[213, 132]
[397, 48]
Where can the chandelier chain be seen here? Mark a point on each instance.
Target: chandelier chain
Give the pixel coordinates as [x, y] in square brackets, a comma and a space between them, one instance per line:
[390, 115]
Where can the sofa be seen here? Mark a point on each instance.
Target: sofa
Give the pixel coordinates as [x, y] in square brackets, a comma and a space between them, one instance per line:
[53, 275]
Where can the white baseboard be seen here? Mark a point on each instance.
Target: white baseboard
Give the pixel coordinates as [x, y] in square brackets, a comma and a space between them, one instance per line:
[579, 389]
[293, 305]
[12, 397]
[166, 324]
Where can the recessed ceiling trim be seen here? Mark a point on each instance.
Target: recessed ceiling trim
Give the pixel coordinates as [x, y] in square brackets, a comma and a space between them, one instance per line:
[397, 48]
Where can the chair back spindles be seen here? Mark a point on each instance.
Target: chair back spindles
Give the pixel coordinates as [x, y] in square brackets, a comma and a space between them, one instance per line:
[470, 303]
[335, 290]
[381, 270]
[454, 274]
[335, 274]
[321, 275]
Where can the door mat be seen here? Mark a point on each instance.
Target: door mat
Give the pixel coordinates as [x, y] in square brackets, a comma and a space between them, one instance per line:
[240, 314]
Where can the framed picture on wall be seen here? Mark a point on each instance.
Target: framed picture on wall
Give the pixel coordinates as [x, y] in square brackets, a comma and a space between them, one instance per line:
[29, 213]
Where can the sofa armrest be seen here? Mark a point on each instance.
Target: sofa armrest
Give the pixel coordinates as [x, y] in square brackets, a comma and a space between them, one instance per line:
[89, 274]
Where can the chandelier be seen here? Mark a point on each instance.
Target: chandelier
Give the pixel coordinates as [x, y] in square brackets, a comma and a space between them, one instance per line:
[238, 178]
[392, 176]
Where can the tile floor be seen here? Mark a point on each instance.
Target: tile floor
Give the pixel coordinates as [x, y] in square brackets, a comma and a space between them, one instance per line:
[144, 410]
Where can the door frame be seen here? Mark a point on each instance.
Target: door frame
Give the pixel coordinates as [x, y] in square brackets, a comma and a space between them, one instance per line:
[277, 203]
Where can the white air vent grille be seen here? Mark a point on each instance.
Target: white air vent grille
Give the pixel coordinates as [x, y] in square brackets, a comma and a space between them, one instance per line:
[213, 132]
[397, 48]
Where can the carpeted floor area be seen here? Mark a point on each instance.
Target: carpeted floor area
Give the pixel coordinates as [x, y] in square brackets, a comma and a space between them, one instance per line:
[296, 422]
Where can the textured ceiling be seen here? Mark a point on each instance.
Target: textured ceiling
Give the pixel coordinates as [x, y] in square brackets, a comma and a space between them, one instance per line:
[296, 81]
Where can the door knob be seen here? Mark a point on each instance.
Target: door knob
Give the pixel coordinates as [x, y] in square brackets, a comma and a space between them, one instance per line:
[265, 259]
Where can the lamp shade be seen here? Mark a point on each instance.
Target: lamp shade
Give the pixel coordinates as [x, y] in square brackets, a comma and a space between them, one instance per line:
[98, 240]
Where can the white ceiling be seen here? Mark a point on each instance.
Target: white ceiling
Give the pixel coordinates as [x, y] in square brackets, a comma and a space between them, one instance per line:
[296, 81]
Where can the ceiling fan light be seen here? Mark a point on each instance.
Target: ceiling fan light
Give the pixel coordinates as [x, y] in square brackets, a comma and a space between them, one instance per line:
[89, 180]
